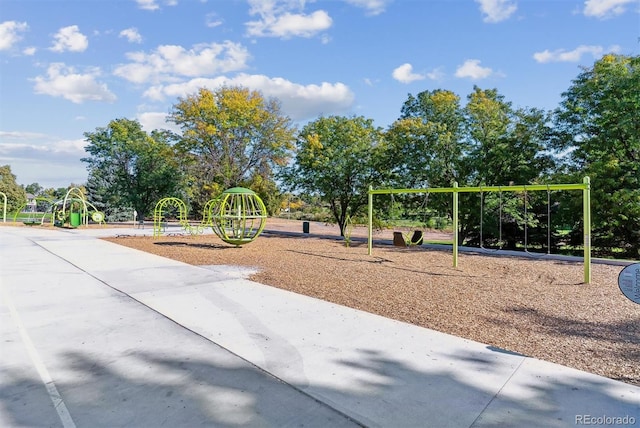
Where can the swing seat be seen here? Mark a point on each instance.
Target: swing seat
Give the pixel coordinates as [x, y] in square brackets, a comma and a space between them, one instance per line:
[402, 240]
[416, 238]
[398, 239]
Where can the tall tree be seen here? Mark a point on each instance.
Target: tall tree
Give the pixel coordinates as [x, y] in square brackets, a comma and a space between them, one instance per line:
[231, 135]
[139, 168]
[336, 159]
[487, 121]
[427, 141]
[598, 126]
[16, 196]
[425, 148]
[34, 188]
[508, 146]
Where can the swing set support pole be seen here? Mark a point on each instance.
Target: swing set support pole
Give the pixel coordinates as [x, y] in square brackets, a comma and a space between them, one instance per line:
[4, 210]
[455, 224]
[586, 218]
[370, 238]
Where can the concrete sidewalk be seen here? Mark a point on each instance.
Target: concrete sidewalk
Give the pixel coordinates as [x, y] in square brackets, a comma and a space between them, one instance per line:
[96, 334]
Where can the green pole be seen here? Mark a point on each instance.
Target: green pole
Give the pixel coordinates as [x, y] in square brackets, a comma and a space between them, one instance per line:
[586, 215]
[455, 224]
[370, 215]
[4, 212]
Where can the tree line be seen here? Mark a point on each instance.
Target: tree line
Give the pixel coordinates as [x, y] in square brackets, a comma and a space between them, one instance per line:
[235, 137]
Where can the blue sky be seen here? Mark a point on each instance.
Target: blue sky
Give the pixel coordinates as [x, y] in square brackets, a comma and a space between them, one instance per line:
[70, 66]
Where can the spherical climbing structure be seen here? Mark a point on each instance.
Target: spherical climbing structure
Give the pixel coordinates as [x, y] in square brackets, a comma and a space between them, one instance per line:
[238, 216]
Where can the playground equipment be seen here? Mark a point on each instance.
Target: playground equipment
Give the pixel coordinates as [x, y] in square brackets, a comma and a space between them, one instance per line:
[159, 220]
[526, 234]
[32, 215]
[481, 239]
[74, 209]
[585, 187]
[238, 216]
[402, 239]
[4, 210]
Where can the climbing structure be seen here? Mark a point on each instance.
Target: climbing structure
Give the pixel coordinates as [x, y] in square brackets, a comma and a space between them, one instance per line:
[238, 216]
[74, 210]
[160, 221]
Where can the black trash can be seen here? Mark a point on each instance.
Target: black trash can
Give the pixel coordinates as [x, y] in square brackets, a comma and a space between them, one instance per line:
[305, 227]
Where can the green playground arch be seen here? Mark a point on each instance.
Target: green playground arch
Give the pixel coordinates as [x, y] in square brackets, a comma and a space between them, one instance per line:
[585, 187]
[160, 222]
[4, 209]
[32, 216]
[237, 216]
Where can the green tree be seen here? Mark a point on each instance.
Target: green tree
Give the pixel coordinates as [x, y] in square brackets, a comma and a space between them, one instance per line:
[598, 127]
[507, 146]
[16, 196]
[34, 188]
[268, 191]
[139, 168]
[487, 121]
[229, 137]
[54, 194]
[336, 159]
[100, 192]
[441, 143]
[424, 148]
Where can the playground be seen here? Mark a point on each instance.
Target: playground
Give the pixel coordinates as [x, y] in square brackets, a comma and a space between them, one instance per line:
[539, 307]
[564, 311]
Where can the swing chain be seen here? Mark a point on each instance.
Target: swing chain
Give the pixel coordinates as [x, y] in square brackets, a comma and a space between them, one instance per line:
[526, 221]
[500, 242]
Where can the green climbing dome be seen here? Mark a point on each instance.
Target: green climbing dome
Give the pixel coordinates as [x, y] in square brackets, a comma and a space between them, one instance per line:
[238, 216]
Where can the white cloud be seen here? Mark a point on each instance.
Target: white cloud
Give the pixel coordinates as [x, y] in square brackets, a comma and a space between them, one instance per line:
[496, 10]
[63, 81]
[156, 120]
[405, 74]
[561, 55]
[298, 101]
[471, 69]
[169, 61]
[43, 159]
[10, 33]
[69, 39]
[212, 20]
[436, 74]
[131, 34]
[605, 8]
[290, 25]
[21, 135]
[30, 51]
[153, 4]
[277, 20]
[373, 7]
[147, 4]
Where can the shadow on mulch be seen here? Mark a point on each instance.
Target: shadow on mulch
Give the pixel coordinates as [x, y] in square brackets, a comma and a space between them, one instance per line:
[196, 245]
[383, 262]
